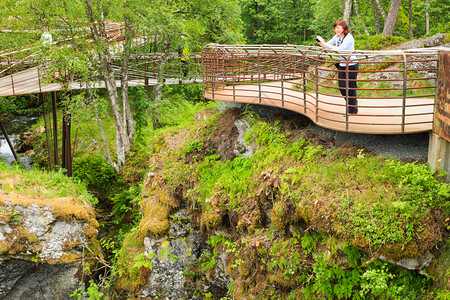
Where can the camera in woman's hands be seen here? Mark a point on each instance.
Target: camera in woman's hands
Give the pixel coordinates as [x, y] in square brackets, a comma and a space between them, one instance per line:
[318, 38]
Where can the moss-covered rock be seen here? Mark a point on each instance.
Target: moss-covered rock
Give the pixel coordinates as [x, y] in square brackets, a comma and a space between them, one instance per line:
[49, 236]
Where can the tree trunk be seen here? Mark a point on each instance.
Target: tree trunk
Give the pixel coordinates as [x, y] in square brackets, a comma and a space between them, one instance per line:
[127, 115]
[358, 14]
[105, 140]
[380, 7]
[376, 17]
[410, 20]
[106, 156]
[354, 28]
[389, 24]
[347, 11]
[160, 80]
[427, 16]
[98, 30]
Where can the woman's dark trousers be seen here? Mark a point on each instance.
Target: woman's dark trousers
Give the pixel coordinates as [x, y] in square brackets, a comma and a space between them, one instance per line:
[352, 100]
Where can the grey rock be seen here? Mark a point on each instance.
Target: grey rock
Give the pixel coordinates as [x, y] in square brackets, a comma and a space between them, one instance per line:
[431, 41]
[221, 277]
[49, 277]
[415, 263]
[226, 105]
[20, 279]
[171, 255]
[60, 233]
[171, 258]
[36, 219]
[240, 147]
[39, 130]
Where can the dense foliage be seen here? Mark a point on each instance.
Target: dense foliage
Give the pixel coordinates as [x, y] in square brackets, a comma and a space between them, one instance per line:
[299, 21]
[17, 105]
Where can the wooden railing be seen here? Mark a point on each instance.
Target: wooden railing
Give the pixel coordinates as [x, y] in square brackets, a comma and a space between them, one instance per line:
[396, 89]
[22, 70]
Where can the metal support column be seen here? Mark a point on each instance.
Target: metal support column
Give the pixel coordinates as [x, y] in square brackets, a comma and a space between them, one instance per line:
[9, 141]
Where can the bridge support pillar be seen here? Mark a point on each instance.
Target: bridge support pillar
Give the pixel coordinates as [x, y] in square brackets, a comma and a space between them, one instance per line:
[226, 105]
[439, 154]
[340, 138]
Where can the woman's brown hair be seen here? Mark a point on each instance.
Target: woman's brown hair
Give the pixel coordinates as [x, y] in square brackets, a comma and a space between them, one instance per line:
[343, 24]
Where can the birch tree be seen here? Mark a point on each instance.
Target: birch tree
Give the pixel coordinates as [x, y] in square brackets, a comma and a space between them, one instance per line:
[380, 7]
[83, 25]
[358, 14]
[376, 17]
[391, 19]
[347, 11]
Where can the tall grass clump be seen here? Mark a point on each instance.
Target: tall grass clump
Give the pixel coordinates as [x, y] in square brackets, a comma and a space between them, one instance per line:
[41, 184]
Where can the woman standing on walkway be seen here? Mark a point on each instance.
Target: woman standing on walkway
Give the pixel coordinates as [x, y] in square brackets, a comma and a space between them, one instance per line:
[343, 40]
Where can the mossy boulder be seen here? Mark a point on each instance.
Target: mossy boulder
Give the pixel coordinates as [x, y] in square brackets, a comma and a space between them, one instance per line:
[43, 245]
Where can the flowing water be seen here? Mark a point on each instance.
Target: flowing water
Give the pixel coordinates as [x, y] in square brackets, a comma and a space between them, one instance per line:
[15, 127]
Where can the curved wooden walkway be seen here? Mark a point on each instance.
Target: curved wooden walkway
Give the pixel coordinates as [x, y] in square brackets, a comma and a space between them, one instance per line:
[375, 116]
[303, 79]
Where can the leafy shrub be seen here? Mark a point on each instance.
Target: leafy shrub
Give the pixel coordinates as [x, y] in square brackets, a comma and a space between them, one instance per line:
[16, 105]
[126, 208]
[190, 92]
[101, 179]
[376, 42]
[378, 280]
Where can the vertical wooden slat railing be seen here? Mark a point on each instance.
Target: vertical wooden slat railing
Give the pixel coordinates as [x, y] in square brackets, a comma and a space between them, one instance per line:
[317, 87]
[405, 73]
[259, 73]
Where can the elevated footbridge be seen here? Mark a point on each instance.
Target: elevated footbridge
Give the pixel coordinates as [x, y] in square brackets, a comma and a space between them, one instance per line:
[29, 76]
[396, 89]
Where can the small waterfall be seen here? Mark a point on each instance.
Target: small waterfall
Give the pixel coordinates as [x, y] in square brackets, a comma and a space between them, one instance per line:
[14, 127]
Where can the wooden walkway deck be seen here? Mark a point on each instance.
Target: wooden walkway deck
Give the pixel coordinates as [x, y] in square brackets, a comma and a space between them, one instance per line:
[375, 116]
[28, 82]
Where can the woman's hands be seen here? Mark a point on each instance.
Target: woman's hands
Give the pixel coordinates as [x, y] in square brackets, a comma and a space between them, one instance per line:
[320, 41]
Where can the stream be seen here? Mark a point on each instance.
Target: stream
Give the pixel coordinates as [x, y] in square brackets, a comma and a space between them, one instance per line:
[15, 127]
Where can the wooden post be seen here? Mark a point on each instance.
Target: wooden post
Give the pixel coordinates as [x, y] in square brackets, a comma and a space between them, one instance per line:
[63, 141]
[42, 98]
[55, 129]
[439, 146]
[66, 144]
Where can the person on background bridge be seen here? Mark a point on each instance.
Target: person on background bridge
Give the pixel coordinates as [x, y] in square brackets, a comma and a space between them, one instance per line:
[183, 54]
[343, 40]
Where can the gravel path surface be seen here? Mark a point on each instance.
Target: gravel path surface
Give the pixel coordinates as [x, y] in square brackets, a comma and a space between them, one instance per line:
[402, 146]
[409, 147]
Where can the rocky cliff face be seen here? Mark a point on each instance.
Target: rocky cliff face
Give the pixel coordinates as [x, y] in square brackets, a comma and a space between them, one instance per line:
[192, 249]
[43, 246]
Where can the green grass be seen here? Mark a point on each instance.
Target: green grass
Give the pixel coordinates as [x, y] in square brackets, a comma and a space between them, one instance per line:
[37, 183]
